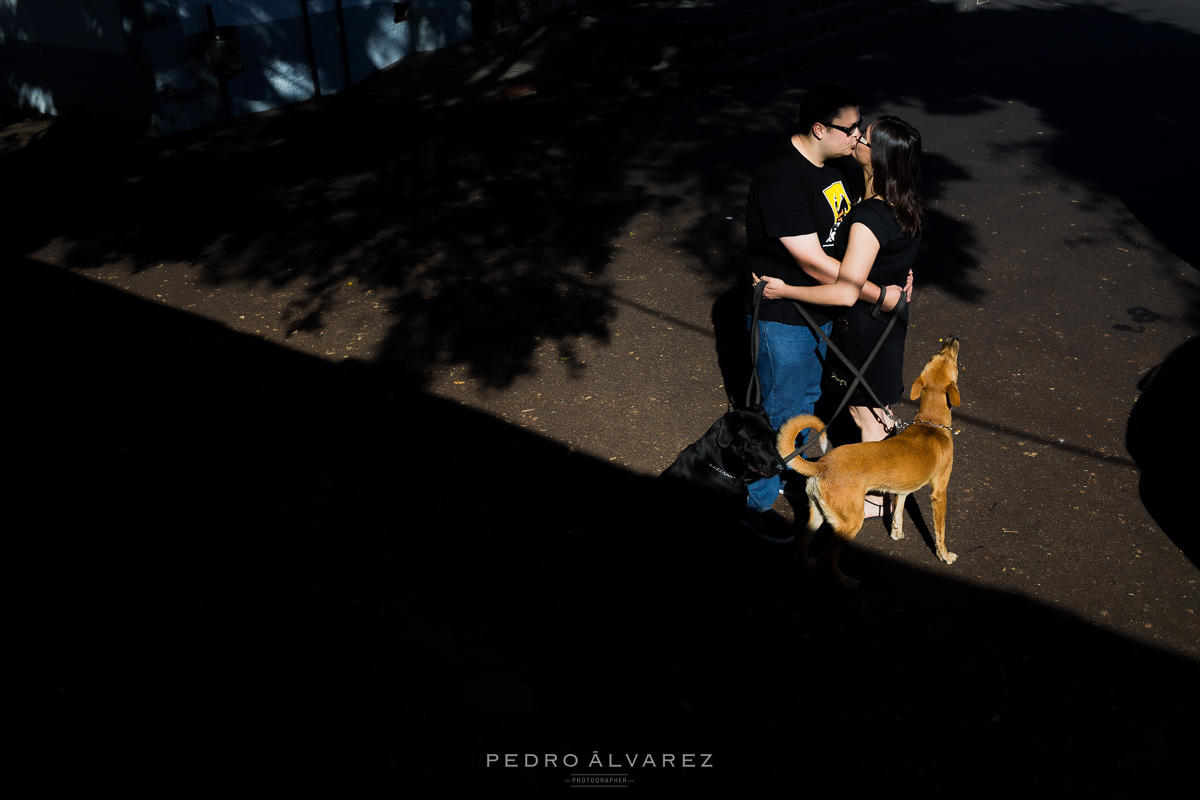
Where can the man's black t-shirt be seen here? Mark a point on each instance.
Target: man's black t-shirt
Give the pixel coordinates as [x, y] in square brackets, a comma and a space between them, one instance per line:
[790, 196]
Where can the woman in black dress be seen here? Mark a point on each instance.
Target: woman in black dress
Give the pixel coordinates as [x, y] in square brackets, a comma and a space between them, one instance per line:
[879, 243]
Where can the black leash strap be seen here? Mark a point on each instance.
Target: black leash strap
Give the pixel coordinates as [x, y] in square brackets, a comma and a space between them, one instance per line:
[855, 371]
[755, 388]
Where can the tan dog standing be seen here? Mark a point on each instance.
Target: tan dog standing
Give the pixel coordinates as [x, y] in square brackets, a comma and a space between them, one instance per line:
[923, 453]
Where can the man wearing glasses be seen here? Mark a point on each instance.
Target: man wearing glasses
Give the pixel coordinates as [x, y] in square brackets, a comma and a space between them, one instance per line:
[798, 197]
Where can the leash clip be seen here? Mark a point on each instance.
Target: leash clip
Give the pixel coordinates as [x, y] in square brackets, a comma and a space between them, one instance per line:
[897, 424]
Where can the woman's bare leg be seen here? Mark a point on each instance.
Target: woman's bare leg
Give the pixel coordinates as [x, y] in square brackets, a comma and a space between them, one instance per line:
[875, 424]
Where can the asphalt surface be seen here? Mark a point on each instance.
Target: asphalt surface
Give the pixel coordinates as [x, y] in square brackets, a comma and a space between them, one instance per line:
[333, 421]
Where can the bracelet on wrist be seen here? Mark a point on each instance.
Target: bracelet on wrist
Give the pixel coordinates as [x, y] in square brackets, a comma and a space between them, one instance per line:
[879, 303]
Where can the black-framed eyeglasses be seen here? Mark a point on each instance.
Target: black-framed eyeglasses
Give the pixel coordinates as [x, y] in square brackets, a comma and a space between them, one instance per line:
[863, 141]
[848, 131]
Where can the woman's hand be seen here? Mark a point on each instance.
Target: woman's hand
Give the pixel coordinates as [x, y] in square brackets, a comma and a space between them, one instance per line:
[775, 288]
[908, 287]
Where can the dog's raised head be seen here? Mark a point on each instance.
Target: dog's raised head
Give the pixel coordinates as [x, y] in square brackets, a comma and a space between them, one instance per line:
[941, 373]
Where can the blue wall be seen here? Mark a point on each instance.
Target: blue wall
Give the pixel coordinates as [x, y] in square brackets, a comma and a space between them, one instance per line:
[142, 63]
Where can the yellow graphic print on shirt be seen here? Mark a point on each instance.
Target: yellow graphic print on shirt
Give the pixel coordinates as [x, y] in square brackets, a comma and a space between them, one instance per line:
[839, 203]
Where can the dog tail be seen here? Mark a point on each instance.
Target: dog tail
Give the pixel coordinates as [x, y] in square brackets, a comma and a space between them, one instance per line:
[786, 443]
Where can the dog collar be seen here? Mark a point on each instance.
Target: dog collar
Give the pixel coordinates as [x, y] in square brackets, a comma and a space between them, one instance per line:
[718, 469]
[934, 424]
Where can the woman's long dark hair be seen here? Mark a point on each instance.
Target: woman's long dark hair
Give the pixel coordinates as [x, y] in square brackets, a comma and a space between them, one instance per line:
[896, 166]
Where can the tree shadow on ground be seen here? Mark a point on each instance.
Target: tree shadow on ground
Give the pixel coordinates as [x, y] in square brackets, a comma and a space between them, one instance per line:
[486, 229]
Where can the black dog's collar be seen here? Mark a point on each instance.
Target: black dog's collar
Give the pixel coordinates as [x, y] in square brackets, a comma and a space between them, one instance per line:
[718, 469]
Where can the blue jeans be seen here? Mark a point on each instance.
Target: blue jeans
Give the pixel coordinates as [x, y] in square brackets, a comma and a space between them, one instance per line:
[790, 361]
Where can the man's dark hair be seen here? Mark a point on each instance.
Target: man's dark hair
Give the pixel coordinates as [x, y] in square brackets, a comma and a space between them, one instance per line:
[822, 104]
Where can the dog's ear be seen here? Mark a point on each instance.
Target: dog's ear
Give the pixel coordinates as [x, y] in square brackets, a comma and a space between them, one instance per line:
[724, 432]
[916, 390]
[952, 394]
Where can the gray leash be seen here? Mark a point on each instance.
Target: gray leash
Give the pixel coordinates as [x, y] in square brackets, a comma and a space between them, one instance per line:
[755, 387]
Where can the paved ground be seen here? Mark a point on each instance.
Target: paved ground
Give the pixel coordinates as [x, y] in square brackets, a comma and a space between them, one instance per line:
[336, 415]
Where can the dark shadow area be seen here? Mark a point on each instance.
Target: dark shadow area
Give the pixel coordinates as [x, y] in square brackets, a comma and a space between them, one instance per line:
[1167, 451]
[733, 344]
[263, 569]
[246, 550]
[948, 256]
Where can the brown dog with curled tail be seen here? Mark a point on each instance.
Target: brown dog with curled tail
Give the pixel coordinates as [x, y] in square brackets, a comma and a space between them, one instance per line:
[921, 454]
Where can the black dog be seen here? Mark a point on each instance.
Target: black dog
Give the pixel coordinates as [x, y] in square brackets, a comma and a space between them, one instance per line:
[684, 554]
[713, 473]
